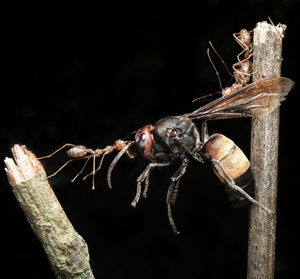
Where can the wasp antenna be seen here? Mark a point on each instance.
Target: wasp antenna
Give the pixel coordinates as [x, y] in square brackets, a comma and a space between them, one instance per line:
[130, 134]
[115, 161]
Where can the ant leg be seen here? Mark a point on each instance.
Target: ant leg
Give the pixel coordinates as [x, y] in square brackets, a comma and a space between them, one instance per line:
[231, 184]
[175, 178]
[247, 55]
[87, 160]
[62, 147]
[243, 68]
[243, 38]
[95, 170]
[94, 164]
[56, 172]
[65, 164]
[101, 161]
[141, 179]
[238, 39]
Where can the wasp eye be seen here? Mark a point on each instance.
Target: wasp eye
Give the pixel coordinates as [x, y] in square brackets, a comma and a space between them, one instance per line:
[144, 140]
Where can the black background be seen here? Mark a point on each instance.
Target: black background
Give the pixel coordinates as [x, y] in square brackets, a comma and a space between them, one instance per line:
[91, 73]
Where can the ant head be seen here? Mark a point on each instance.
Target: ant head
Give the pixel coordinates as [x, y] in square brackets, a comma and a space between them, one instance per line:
[144, 140]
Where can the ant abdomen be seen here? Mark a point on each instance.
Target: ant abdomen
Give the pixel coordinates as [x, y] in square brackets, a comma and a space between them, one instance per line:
[77, 151]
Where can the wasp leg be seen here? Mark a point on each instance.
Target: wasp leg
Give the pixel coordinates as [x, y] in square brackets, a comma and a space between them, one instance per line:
[175, 192]
[231, 184]
[147, 179]
[204, 132]
[142, 178]
[175, 178]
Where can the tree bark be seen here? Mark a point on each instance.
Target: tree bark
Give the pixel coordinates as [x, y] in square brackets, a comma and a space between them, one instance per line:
[65, 248]
[267, 46]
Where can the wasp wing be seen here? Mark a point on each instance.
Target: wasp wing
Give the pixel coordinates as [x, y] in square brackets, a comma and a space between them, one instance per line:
[254, 99]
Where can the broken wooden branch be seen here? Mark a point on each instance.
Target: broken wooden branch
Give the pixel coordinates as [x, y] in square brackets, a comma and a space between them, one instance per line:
[65, 248]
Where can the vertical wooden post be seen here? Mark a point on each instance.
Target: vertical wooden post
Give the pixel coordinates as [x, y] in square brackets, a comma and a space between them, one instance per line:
[267, 46]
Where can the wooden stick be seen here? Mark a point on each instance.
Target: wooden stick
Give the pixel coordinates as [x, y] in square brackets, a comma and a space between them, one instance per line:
[66, 249]
[267, 46]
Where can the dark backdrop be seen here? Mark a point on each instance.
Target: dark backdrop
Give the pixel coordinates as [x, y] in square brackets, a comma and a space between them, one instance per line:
[90, 74]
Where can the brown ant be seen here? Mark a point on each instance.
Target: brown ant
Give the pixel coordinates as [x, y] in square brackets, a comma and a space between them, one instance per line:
[79, 152]
[242, 68]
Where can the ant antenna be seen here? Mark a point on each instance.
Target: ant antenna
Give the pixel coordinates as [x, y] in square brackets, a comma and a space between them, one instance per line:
[205, 96]
[217, 73]
[130, 134]
[223, 62]
[280, 34]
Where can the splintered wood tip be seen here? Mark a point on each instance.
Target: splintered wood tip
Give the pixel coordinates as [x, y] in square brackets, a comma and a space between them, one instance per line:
[22, 167]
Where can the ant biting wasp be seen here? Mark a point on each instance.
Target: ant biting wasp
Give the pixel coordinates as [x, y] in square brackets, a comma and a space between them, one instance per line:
[176, 138]
[242, 68]
[79, 152]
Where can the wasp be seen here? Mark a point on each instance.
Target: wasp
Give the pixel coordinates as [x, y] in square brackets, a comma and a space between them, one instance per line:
[177, 138]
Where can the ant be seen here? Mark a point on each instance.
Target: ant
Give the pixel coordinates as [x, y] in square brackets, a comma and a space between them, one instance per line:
[79, 152]
[242, 68]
